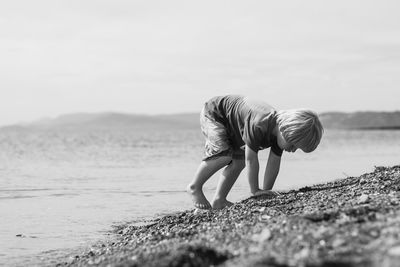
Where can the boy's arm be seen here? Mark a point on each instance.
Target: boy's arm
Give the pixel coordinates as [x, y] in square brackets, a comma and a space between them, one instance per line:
[271, 171]
[252, 166]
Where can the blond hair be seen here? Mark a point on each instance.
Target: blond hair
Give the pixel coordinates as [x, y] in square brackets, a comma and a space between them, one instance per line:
[301, 128]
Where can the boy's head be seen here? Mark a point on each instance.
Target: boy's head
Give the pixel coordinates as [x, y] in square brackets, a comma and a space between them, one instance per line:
[299, 128]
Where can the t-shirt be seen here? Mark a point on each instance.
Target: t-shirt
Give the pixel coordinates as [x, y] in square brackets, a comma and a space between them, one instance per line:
[247, 121]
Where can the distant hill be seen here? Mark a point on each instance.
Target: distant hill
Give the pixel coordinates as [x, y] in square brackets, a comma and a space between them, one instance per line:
[361, 120]
[120, 121]
[111, 121]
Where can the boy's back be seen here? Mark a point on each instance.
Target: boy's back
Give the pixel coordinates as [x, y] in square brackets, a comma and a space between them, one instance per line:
[247, 121]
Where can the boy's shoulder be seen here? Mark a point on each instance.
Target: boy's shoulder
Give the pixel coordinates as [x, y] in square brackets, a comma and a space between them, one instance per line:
[264, 120]
[258, 106]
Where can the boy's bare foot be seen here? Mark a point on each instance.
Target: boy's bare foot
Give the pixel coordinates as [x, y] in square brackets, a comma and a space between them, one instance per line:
[198, 198]
[221, 203]
[268, 193]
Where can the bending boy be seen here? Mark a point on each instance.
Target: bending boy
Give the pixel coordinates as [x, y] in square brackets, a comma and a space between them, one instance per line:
[236, 128]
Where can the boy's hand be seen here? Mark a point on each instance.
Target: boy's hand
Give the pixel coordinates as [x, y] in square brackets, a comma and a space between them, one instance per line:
[266, 193]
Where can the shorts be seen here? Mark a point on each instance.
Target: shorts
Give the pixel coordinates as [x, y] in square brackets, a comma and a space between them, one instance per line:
[218, 143]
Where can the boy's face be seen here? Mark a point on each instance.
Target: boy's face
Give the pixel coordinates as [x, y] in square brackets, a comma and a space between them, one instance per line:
[284, 145]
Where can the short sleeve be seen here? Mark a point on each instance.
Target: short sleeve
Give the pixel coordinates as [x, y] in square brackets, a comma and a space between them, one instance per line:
[275, 147]
[252, 135]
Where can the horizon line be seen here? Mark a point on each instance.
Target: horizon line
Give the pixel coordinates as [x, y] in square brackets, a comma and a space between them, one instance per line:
[20, 123]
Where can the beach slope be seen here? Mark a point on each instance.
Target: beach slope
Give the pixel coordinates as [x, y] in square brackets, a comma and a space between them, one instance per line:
[349, 222]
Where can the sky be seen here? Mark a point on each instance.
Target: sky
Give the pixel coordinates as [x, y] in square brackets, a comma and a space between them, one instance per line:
[158, 57]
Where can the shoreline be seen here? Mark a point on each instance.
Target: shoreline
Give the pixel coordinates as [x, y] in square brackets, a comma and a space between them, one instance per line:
[349, 222]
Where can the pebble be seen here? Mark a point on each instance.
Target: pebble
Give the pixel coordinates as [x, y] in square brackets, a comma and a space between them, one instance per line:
[374, 233]
[265, 217]
[354, 233]
[254, 249]
[199, 211]
[362, 181]
[394, 251]
[338, 242]
[302, 254]
[263, 236]
[262, 209]
[134, 258]
[393, 257]
[364, 198]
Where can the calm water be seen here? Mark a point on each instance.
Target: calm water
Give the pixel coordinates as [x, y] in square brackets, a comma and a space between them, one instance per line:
[64, 190]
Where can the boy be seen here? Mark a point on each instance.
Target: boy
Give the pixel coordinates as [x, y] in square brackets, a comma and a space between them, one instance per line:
[236, 128]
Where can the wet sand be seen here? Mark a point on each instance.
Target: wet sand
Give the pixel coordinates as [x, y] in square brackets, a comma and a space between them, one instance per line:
[349, 222]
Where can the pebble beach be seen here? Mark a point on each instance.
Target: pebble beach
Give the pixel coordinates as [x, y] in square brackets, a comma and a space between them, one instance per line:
[349, 222]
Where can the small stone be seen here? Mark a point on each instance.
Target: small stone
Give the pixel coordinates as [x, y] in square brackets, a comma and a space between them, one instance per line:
[236, 253]
[303, 254]
[196, 211]
[254, 249]
[364, 198]
[362, 181]
[338, 242]
[262, 209]
[265, 217]
[394, 251]
[374, 233]
[393, 257]
[263, 236]
[91, 253]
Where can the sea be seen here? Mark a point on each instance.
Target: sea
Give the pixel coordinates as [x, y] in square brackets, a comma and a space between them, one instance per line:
[61, 191]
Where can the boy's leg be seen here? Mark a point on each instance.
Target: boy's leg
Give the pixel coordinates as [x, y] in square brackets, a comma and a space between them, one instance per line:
[225, 183]
[206, 169]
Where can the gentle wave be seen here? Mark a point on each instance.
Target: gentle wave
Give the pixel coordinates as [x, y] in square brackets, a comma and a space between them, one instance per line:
[73, 187]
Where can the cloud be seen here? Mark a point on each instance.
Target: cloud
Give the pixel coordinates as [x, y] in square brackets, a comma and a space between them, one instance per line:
[100, 54]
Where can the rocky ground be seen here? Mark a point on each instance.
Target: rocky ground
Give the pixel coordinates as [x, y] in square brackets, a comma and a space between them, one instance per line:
[349, 222]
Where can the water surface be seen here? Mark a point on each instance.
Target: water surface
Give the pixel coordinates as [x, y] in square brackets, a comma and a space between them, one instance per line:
[62, 190]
